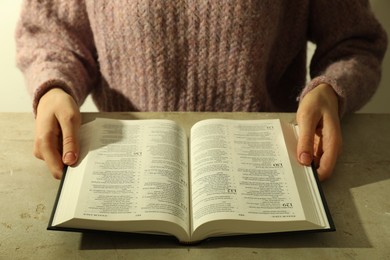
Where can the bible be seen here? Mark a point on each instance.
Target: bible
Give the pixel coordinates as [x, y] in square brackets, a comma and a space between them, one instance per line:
[227, 177]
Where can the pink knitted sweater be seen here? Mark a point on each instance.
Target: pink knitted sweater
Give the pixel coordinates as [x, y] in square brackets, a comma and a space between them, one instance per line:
[199, 55]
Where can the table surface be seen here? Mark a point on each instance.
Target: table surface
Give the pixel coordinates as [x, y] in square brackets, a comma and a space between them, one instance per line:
[358, 196]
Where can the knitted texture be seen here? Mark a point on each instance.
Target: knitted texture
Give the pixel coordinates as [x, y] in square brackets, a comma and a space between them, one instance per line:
[199, 55]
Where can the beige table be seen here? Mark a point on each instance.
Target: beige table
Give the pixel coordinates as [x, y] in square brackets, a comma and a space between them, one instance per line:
[358, 196]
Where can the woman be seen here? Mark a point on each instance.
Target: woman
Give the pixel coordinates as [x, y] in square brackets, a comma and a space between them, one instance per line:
[199, 55]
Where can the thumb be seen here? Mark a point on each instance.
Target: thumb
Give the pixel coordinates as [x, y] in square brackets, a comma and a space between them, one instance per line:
[70, 139]
[305, 141]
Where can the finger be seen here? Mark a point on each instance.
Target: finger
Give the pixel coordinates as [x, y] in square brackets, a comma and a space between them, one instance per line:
[47, 149]
[46, 143]
[331, 146]
[326, 165]
[70, 124]
[318, 151]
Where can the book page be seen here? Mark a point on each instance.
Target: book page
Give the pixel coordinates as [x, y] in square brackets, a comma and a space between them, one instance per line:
[305, 178]
[135, 170]
[71, 187]
[241, 170]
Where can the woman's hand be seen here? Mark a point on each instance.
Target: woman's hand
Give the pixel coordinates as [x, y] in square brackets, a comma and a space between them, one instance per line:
[56, 130]
[319, 130]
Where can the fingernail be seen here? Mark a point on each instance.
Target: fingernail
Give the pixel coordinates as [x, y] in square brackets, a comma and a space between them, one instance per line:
[305, 158]
[69, 158]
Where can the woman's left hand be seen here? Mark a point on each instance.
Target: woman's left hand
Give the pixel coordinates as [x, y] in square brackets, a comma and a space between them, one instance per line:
[320, 136]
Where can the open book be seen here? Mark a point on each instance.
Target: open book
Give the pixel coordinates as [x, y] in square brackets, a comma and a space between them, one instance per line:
[229, 177]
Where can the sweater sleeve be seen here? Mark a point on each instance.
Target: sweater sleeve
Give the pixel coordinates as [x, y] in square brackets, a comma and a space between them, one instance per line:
[350, 45]
[55, 48]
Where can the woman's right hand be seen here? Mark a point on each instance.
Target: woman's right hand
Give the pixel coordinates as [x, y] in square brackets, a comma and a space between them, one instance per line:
[56, 131]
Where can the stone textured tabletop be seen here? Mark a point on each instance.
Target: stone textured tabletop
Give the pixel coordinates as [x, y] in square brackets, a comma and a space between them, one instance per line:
[358, 197]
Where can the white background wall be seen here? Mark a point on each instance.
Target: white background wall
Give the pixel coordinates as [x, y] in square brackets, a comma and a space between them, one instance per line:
[13, 94]
[14, 97]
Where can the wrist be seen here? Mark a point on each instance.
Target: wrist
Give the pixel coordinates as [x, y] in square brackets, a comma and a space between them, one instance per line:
[326, 96]
[55, 98]
[49, 96]
[47, 89]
